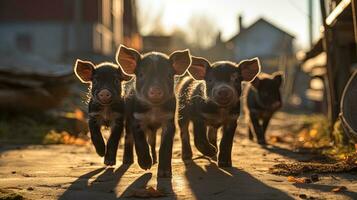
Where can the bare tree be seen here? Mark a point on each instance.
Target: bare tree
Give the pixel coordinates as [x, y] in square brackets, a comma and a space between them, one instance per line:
[150, 22]
[201, 31]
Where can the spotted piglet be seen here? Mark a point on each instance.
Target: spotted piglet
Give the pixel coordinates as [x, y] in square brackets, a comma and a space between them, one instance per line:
[210, 100]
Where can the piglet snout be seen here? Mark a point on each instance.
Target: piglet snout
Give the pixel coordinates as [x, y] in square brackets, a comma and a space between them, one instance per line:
[225, 92]
[224, 95]
[155, 94]
[104, 96]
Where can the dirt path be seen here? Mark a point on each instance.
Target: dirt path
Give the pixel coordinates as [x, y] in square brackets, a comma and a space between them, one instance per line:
[72, 172]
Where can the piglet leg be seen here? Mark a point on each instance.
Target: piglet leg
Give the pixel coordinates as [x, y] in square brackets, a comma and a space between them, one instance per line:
[225, 147]
[141, 145]
[200, 139]
[185, 140]
[113, 141]
[212, 136]
[165, 153]
[128, 157]
[152, 142]
[265, 126]
[258, 129]
[96, 136]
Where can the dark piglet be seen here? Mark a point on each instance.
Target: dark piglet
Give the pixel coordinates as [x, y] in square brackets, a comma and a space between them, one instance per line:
[211, 104]
[262, 100]
[106, 106]
[152, 102]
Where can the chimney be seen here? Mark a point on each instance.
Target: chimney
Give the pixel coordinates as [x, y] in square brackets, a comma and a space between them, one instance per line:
[218, 37]
[240, 23]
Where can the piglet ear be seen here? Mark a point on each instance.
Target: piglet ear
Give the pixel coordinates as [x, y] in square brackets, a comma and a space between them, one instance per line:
[128, 59]
[180, 60]
[255, 82]
[84, 70]
[198, 68]
[124, 76]
[249, 69]
[278, 77]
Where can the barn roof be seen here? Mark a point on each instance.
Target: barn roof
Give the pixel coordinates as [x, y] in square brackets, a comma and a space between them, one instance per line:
[260, 20]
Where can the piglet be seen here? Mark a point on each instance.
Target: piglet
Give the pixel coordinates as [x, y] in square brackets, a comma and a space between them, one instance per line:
[152, 102]
[210, 100]
[106, 106]
[262, 100]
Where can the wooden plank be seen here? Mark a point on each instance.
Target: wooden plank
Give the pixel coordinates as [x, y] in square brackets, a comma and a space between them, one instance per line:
[337, 11]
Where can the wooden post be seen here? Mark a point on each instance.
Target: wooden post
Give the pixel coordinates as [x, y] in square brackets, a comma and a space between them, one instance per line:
[328, 48]
[354, 16]
[311, 15]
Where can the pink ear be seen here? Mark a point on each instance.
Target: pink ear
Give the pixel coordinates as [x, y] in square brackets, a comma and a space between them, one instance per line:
[84, 70]
[198, 68]
[249, 69]
[181, 60]
[123, 75]
[128, 59]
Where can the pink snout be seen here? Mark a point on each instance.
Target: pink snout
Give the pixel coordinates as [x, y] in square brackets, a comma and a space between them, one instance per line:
[155, 94]
[104, 96]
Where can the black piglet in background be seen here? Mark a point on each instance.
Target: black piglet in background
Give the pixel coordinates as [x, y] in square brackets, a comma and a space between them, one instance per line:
[106, 106]
[262, 100]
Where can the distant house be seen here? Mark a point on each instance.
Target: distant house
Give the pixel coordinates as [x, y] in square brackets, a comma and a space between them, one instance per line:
[262, 39]
[58, 28]
[219, 51]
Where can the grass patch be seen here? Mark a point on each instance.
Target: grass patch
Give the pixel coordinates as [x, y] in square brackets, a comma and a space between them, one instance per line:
[24, 128]
[39, 128]
[316, 134]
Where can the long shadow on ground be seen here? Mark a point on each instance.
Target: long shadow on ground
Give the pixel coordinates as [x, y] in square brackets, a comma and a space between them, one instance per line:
[103, 187]
[212, 182]
[302, 156]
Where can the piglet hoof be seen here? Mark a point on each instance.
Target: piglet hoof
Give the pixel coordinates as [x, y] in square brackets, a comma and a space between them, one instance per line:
[207, 150]
[164, 173]
[224, 164]
[145, 162]
[100, 150]
[186, 157]
[262, 142]
[127, 161]
[109, 160]
[187, 162]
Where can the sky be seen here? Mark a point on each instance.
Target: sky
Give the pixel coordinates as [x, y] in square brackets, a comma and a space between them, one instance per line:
[290, 15]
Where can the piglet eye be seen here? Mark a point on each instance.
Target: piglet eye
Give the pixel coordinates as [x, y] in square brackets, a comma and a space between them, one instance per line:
[235, 78]
[94, 82]
[116, 82]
